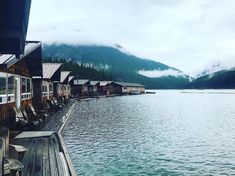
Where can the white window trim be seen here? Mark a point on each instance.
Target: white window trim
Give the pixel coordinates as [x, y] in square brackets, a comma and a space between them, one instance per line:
[12, 96]
[28, 94]
[5, 97]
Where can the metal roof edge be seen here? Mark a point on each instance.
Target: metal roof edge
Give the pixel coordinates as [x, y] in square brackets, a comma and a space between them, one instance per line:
[37, 45]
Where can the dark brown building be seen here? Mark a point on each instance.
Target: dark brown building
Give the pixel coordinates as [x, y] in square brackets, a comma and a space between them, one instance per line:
[20, 79]
[51, 80]
[80, 87]
[104, 88]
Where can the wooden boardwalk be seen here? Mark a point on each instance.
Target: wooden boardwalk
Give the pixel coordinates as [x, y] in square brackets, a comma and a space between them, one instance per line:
[54, 121]
[47, 154]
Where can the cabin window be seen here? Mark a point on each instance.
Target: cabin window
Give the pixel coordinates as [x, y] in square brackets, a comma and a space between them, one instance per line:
[28, 85]
[3, 88]
[24, 85]
[50, 87]
[26, 88]
[10, 88]
[44, 90]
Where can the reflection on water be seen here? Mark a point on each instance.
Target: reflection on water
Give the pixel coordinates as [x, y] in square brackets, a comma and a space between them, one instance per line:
[169, 133]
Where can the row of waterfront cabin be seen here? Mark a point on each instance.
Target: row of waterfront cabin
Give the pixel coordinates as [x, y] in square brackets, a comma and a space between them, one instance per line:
[84, 87]
[21, 85]
[26, 80]
[55, 82]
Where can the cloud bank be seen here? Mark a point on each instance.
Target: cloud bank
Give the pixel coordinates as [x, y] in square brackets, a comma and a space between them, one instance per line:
[161, 73]
[186, 34]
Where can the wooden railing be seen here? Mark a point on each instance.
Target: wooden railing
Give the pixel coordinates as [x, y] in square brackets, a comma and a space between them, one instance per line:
[4, 145]
[1, 156]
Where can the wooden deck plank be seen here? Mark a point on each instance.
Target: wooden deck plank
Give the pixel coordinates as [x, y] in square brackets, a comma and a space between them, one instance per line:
[43, 157]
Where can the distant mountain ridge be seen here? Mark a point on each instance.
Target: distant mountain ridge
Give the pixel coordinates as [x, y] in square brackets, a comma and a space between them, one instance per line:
[223, 79]
[103, 55]
[122, 65]
[127, 67]
[212, 69]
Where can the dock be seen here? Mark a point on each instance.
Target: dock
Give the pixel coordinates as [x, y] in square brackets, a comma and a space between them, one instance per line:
[46, 153]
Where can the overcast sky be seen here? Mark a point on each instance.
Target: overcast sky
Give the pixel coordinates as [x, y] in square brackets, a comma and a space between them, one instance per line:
[186, 34]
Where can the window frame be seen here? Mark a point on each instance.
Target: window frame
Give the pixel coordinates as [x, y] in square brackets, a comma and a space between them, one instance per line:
[26, 95]
[3, 96]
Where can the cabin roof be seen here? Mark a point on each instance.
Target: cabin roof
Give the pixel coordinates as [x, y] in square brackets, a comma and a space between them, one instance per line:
[81, 81]
[124, 84]
[71, 78]
[94, 83]
[64, 75]
[105, 83]
[49, 69]
[10, 59]
[13, 26]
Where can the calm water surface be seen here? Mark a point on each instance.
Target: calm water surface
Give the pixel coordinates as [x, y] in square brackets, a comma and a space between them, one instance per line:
[169, 133]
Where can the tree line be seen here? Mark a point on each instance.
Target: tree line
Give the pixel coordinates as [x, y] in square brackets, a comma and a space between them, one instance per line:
[80, 70]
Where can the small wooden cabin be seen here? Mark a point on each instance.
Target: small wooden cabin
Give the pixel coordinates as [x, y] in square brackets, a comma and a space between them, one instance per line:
[80, 87]
[51, 79]
[94, 87]
[126, 88]
[64, 80]
[104, 87]
[20, 80]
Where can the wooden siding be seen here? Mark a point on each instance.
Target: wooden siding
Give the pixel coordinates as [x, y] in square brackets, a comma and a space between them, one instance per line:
[20, 69]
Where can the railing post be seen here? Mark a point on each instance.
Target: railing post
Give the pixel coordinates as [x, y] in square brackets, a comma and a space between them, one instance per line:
[1, 157]
[4, 134]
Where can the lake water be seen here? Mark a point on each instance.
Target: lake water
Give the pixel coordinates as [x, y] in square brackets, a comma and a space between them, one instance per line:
[169, 133]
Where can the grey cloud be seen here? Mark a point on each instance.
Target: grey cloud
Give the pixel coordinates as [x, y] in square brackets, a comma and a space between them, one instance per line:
[187, 34]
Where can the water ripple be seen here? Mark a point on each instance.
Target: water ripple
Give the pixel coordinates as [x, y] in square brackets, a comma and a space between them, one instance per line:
[169, 133]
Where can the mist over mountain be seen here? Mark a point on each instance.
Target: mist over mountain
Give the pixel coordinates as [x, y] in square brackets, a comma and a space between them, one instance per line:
[130, 68]
[123, 65]
[223, 79]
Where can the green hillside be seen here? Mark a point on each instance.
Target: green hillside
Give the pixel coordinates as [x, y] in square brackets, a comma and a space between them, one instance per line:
[103, 55]
[220, 80]
[123, 66]
[81, 71]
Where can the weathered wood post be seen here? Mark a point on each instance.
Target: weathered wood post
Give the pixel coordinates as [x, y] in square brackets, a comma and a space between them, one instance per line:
[1, 156]
[4, 135]
[4, 146]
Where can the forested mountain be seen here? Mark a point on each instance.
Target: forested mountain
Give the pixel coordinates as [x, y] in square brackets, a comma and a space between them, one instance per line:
[122, 65]
[224, 79]
[103, 57]
[81, 71]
